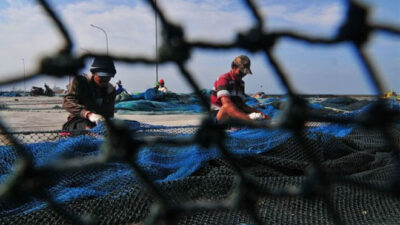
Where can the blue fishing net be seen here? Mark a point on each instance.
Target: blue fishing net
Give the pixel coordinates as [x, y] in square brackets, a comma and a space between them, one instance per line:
[156, 107]
[160, 163]
[9, 94]
[156, 102]
[166, 165]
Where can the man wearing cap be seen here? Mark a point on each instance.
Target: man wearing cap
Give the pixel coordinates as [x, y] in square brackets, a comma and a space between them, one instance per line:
[227, 96]
[162, 87]
[90, 98]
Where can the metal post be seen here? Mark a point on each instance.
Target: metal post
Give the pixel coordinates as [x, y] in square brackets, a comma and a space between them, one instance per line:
[23, 63]
[155, 21]
[104, 34]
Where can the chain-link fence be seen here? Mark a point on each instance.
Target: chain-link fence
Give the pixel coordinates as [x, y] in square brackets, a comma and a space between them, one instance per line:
[27, 137]
[243, 194]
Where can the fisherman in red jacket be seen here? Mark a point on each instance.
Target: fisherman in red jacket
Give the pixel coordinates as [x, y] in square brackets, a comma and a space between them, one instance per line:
[227, 96]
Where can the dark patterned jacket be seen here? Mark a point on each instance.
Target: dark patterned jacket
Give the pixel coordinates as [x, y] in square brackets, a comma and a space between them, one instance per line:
[84, 96]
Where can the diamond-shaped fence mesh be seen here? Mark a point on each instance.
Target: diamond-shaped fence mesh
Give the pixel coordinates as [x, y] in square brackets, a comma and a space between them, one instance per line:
[306, 178]
[31, 137]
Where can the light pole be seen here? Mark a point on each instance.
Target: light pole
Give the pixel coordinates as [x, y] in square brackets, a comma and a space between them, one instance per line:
[103, 32]
[155, 21]
[23, 63]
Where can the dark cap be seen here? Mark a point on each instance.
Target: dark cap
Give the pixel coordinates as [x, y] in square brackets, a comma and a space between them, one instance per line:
[103, 67]
[243, 62]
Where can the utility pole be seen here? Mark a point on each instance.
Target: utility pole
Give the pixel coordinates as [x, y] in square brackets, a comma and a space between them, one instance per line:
[23, 63]
[155, 21]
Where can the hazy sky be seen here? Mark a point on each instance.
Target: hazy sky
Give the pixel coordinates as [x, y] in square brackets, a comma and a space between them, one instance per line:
[26, 33]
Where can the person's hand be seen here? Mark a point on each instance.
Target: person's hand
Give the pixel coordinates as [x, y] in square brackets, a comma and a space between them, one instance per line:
[95, 118]
[265, 116]
[256, 116]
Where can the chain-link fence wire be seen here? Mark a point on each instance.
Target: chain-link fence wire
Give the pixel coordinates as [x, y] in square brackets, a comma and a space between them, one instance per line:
[26, 137]
[28, 181]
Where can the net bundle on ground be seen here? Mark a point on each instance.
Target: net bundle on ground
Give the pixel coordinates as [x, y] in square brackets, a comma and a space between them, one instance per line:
[113, 194]
[170, 103]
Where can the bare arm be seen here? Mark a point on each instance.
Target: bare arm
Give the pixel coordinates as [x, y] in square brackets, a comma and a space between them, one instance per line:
[230, 110]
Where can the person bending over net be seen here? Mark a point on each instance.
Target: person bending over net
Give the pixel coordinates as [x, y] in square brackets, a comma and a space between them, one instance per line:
[90, 98]
[162, 86]
[227, 95]
[122, 94]
[119, 87]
